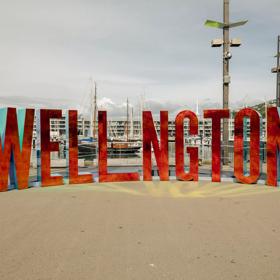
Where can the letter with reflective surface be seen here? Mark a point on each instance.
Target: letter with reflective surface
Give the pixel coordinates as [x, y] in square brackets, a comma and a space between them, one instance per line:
[273, 145]
[72, 153]
[48, 146]
[254, 146]
[216, 115]
[16, 129]
[179, 145]
[104, 176]
[160, 151]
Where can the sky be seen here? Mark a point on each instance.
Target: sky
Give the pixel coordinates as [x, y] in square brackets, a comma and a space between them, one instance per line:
[157, 51]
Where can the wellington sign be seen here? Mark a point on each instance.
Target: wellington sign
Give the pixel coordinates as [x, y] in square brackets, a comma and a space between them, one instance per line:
[16, 127]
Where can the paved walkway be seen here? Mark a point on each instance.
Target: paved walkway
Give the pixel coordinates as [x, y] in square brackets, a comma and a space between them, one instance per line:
[157, 230]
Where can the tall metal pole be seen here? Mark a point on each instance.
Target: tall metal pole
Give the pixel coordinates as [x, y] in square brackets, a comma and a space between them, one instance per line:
[226, 47]
[278, 74]
[227, 43]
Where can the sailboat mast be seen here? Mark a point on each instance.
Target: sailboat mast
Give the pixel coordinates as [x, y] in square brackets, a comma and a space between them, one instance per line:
[131, 124]
[127, 119]
[91, 108]
[94, 110]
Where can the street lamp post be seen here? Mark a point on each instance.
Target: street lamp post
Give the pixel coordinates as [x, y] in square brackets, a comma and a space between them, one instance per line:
[226, 78]
[277, 71]
[227, 43]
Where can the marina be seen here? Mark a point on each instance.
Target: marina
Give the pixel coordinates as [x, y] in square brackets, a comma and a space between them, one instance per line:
[125, 137]
[139, 140]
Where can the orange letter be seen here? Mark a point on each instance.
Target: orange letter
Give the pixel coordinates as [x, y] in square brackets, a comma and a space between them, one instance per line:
[216, 116]
[254, 146]
[15, 147]
[72, 155]
[48, 146]
[273, 145]
[193, 151]
[161, 153]
[104, 176]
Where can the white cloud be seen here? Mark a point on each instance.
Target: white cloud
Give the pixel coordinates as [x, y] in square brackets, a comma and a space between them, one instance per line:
[49, 49]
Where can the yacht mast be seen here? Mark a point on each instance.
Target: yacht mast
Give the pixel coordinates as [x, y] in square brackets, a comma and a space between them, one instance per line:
[91, 110]
[127, 120]
[131, 124]
[94, 110]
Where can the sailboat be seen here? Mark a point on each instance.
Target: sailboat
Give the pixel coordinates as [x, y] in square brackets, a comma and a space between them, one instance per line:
[128, 145]
[88, 145]
[116, 147]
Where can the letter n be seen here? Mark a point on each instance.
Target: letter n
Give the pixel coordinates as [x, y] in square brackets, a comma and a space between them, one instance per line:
[161, 151]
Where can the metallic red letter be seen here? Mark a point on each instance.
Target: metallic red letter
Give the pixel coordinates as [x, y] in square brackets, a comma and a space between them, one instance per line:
[104, 176]
[15, 150]
[48, 146]
[216, 116]
[273, 145]
[72, 157]
[193, 151]
[254, 146]
[161, 153]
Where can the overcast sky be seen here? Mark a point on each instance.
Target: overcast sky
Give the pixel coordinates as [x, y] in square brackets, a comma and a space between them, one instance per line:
[157, 48]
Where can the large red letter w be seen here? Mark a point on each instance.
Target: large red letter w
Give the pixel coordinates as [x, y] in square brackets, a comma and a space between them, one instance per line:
[15, 147]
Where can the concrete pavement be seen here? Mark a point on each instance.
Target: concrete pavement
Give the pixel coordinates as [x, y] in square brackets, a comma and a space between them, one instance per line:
[157, 230]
